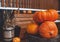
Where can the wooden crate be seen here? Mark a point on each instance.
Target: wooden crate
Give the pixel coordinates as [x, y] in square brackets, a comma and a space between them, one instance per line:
[23, 19]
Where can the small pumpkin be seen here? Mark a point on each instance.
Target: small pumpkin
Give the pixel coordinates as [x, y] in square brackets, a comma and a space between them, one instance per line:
[16, 39]
[32, 28]
[48, 30]
[49, 15]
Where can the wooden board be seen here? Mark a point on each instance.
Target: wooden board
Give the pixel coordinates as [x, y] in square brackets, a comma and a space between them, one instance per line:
[23, 15]
[23, 19]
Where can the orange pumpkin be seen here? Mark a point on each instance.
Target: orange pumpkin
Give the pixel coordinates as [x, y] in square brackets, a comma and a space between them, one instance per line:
[48, 29]
[16, 39]
[35, 17]
[49, 15]
[32, 28]
[54, 14]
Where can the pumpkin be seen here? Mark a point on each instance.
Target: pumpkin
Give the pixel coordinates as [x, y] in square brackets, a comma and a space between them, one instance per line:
[54, 14]
[32, 28]
[16, 39]
[41, 16]
[35, 17]
[48, 30]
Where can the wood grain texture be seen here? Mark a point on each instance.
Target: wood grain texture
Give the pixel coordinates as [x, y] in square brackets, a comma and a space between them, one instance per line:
[11, 3]
[23, 15]
[38, 4]
[6, 3]
[23, 22]
[24, 19]
[2, 3]
[46, 4]
[17, 3]
[14, 3]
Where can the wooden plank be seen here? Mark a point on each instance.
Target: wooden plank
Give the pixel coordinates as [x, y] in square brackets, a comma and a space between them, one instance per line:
[23, 22]
[11, 3]
[6, 3]
[48, 4]
[24, 19]
[16, 3]
[2, 3]
[24, 15]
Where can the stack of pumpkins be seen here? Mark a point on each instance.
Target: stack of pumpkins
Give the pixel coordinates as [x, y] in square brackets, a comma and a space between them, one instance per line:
[44, 24]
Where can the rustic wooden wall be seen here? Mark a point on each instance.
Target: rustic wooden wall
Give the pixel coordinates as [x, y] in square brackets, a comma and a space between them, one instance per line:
[49, 4]
[44, 4]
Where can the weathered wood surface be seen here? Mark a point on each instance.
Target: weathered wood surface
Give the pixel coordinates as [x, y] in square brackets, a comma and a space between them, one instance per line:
[23, 15]
[37, 4]
[23, 19]
[2, 3]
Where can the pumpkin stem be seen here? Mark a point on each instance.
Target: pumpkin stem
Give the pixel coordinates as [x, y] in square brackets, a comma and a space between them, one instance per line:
[50, 33]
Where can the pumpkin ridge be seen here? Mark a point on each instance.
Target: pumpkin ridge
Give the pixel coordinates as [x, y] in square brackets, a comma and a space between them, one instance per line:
[50, 30]
[54, 29]
[44, 15]
[49, 16]
[40, 16]
[52, 16]
[55, 14]
[43, 33]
